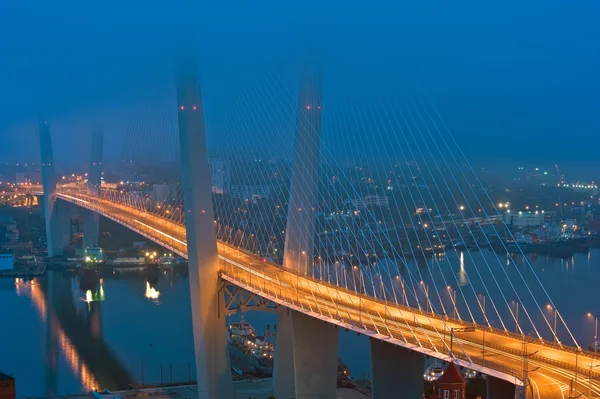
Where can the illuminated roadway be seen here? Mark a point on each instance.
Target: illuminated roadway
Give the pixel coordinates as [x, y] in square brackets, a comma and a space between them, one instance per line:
[551, 370]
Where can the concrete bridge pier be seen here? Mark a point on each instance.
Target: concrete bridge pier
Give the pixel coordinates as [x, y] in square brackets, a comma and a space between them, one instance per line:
[315, 357]
[396, 371]
[283, 370]
[91, 229]
[502, 389]
[306, 361]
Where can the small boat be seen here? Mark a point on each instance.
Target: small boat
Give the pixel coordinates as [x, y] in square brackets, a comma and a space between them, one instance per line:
[433, 372]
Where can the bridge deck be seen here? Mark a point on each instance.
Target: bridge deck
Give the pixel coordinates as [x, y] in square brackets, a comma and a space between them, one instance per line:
[427, 333]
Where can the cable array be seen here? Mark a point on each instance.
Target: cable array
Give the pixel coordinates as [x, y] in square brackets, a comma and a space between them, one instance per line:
[399, 214]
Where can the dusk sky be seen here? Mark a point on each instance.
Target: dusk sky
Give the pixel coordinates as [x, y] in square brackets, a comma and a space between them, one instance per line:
[512, 79]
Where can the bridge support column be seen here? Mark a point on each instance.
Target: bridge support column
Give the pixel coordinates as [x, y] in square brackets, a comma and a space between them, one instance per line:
[210, 332]
[315, 357]
[61, 226]
[91, 220]
[91, 229]
[502, 389]
[56, 216]
[283, 372]
[396, 371]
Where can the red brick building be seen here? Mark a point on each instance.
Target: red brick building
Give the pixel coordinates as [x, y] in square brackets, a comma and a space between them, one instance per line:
[7, 387]
[451, 385]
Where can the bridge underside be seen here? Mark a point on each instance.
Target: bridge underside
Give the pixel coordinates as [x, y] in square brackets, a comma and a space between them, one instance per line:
[236, 270]
[178, 246]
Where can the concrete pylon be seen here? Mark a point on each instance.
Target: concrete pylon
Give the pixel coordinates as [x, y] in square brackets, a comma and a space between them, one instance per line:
[95, 166]
[91, 221]
[210, 332]
[300, 227]
[305, 366]
[396, 371]
[57, 217]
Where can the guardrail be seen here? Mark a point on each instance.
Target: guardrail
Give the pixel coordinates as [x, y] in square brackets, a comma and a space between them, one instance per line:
[148, 231]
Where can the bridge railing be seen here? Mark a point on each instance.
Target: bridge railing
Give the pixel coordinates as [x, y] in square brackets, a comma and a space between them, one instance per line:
[372, 327]
[257, 278]
[369, 326]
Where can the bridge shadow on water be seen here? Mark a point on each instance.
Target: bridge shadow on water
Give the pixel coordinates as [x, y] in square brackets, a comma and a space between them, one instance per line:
[89, 356]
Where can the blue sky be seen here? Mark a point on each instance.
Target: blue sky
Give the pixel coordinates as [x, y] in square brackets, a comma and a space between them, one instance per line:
[512, 78]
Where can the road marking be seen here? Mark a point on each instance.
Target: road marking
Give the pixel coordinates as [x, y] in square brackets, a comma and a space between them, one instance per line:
[563, 387]
[537, 388]
[160, 232]
[73, 198]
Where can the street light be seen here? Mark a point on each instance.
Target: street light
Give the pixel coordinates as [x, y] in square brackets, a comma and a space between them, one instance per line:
[595, 330]
[426, 289]
[590, 378]
[483, 330]
[516, 317]
[404, 297]
[452, 294]
[549, 307]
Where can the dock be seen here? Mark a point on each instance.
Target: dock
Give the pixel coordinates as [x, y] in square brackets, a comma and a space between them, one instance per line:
[24, 272]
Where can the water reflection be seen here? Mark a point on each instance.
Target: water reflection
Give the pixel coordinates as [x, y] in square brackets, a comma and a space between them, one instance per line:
[96, 294]
[462, 274]
[151, 293]
[78, 337]
[78, 367]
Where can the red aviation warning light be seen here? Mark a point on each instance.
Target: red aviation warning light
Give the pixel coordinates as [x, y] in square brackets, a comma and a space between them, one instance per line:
[182, 107]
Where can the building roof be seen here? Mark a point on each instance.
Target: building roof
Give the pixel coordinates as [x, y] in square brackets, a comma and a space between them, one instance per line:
[451, 376]
[5, 377]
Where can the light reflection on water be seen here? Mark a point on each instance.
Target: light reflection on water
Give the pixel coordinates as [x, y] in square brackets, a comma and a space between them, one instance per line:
[151, 293]
[77, 366]
[131, 304]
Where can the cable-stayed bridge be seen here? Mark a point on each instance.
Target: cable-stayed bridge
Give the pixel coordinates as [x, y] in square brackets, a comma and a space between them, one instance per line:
[330, 250]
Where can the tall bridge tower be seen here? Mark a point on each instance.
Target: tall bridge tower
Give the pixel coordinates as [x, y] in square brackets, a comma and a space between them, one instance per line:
[307, 349]
[210, 331]
[91, 222]
[300, 228]
[56, 214]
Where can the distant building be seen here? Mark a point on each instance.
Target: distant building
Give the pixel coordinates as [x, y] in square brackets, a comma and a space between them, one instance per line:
[451, 385]
[375, 200]
[163, 192]
[524, 219]
[7, 262]
[250, 191]
[219, 176]
[12, 234]
[7, 387]
[18, 247]
[94, 255]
